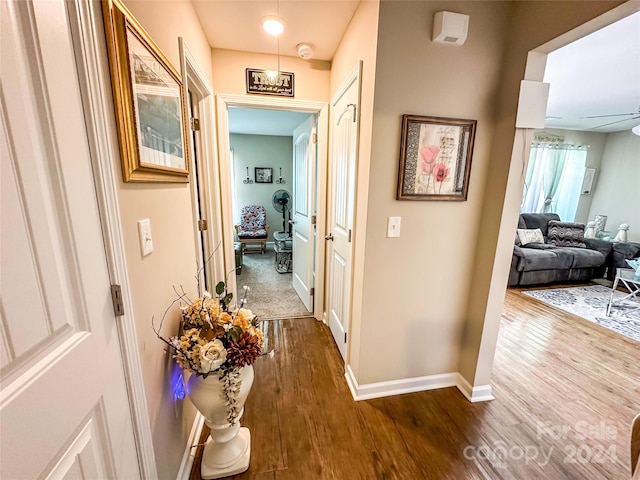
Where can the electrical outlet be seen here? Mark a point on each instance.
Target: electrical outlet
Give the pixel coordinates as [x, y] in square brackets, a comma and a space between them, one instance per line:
[146, 240]
[393, 227]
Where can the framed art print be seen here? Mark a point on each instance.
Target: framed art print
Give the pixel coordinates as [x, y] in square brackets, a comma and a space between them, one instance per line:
[435, 158]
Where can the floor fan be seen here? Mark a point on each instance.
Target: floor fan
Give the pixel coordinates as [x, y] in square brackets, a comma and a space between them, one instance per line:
[281, 202]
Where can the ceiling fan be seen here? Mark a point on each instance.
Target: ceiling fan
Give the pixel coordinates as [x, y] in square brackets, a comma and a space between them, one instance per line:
[632, 115]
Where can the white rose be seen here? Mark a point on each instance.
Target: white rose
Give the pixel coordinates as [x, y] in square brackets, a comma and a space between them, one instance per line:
[212, 355]
[246, 313]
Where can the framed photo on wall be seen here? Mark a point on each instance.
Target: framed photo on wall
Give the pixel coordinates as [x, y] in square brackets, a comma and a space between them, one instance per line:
[435, 158]
[149, 101]
[264, 175]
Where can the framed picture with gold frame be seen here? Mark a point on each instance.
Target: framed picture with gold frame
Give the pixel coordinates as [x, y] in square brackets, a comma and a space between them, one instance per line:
[149, 100]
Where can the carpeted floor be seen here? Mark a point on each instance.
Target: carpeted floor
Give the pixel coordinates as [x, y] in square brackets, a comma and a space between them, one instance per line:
[272, 295]
[590, 302]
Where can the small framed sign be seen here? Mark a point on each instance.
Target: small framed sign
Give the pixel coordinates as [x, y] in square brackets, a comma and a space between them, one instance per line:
[587, 181]
[268, 82]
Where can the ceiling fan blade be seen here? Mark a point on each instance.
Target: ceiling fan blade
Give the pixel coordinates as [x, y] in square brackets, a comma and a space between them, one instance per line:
[612, 115]
[613, 123]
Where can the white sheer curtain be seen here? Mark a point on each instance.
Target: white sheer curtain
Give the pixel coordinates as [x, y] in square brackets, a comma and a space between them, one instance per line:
[553, 180]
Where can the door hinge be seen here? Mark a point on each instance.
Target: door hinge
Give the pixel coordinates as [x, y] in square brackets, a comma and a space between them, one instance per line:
[345, 337]
[314, 138]
[202, 225]
[312, 291]
[195, 124]
[349, 236]
[355, 111]
[313, 219]
[116, 299]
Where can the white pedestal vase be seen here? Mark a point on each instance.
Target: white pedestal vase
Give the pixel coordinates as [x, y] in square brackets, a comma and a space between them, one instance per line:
[228, 448]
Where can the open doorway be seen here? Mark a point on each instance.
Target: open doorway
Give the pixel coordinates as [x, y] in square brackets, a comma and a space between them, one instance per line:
[582, 167]
[273, 159]
[580, 202]
[319, 110]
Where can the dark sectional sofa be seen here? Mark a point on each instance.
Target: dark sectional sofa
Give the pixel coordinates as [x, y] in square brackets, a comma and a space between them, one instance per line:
[619, 253]
[540, 263]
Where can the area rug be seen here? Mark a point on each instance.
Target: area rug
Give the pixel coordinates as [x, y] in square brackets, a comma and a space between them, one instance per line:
[271, 295]
[590, 302]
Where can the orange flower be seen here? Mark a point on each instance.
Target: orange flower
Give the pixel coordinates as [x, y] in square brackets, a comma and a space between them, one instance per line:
[224, 318]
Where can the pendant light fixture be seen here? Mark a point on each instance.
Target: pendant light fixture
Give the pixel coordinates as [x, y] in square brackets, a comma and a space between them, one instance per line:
[274, 25]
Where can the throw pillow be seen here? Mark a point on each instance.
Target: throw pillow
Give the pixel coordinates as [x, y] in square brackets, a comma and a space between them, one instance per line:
[530, 235]
[566, 234]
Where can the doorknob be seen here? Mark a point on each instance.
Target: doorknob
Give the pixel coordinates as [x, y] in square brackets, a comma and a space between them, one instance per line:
[329, 237]
[291, 222]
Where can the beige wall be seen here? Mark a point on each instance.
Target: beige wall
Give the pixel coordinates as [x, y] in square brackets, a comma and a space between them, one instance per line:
[415, 293]
[503, 187]
[359, 43]
[311, 77]
[165, 21]
[617, 192]
[173, 261]
[261, 151]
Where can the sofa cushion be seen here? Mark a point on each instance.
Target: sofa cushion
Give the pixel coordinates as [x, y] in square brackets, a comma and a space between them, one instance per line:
[585, 258]
[521, 223]
[538, 220]
[566, 234]
[532, 235]
[534, 259]
[542, 246]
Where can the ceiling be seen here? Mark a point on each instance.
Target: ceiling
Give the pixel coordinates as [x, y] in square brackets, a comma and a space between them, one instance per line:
[236, 24]
[597, 76]
[256, 121]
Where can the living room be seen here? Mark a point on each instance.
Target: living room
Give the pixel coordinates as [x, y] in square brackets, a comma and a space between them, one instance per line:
[581, 199]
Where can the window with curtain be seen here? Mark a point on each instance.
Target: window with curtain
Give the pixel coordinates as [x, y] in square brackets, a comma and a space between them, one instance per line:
[554, 179]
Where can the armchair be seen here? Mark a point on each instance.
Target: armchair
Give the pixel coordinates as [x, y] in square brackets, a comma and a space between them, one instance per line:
[253, 228]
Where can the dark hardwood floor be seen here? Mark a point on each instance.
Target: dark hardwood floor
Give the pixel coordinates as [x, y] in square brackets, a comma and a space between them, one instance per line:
[566, 391]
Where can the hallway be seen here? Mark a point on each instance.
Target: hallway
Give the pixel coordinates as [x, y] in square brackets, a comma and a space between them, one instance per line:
[551, 369]
[272, 295]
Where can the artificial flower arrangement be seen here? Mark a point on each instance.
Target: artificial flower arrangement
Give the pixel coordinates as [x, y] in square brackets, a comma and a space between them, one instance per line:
[216, 337]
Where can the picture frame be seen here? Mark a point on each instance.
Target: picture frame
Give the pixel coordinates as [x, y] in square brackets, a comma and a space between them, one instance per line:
[435, 158]
[264, 175]
[149, 100]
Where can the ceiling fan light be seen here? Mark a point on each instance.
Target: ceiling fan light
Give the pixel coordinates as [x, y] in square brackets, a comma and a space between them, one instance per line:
[273, 25]
[636, 130]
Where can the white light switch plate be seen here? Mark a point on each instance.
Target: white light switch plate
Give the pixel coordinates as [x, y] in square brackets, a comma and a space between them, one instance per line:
[146, 240]
[393, 227]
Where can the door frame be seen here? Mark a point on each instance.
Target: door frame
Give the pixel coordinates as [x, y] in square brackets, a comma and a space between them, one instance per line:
[224, 101]
[195, 80]
[85, 19]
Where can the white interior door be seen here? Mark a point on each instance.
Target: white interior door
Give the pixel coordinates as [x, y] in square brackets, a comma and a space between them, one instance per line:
[63, 401]
[342, 170]
[304, 161]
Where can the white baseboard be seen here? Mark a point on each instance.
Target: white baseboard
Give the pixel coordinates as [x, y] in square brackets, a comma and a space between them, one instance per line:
[481, 393]
[416, 384]
[398, 387]
[190, 449]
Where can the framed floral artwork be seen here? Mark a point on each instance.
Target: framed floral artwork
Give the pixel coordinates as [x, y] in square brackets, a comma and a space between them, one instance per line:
[435, 158]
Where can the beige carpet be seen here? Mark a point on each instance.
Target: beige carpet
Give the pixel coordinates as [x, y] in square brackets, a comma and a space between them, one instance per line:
[271, 296]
